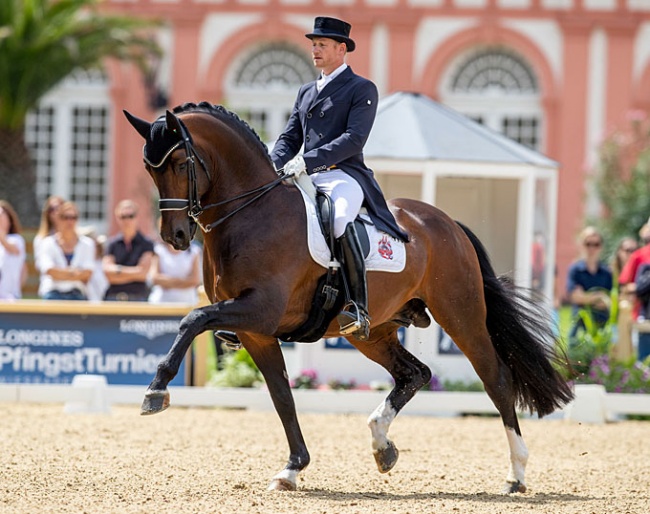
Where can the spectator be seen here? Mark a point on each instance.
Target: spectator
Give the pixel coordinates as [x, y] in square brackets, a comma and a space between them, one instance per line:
[589, 280]
[128, 258]
[98, 283]
[13, 271]
[49, 218]
[175, 274]
[47, 227]
[629, 272]
[66, 259]
[625, 248]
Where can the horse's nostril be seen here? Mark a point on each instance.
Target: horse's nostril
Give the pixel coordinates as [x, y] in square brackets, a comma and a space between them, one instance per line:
[179, 236]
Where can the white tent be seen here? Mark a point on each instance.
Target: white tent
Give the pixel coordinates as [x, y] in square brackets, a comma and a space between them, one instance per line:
[505, 192]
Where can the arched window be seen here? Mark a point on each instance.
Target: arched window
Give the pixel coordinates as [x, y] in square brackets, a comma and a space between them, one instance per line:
[263, 84]
[68, 138]
[498, 88]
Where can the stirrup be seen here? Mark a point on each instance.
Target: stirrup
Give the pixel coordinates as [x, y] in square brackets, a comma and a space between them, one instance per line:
[354, 322]
[228, 338]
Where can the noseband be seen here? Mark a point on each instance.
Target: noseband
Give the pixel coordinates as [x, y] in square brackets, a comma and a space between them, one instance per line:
[193, 202]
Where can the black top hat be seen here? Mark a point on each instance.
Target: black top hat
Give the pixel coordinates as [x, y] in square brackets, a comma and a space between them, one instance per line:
[332, 28]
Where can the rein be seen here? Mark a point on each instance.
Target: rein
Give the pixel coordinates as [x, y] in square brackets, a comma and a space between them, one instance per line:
[262, 190]
[193, 203]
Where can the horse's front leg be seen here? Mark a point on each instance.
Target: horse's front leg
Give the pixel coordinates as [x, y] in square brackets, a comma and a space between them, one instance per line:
[230, 315]
[269, 359]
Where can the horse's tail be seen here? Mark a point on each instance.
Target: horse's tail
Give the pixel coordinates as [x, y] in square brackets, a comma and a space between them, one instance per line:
[524, 339]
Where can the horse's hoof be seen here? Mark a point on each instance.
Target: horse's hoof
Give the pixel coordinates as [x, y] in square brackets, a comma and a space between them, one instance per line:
[514, 487]
[154, 402]
[386, 458]
[281, 484]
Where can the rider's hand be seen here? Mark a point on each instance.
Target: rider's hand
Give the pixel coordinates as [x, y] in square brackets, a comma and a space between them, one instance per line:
[295, 166]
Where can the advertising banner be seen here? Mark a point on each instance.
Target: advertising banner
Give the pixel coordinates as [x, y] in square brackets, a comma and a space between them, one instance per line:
[53, 348]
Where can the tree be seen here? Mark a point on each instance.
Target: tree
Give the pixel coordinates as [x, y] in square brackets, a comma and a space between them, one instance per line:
[623, 180]
[41, 43]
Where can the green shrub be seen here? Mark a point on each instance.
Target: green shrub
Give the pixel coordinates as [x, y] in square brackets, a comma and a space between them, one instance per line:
[238, 370]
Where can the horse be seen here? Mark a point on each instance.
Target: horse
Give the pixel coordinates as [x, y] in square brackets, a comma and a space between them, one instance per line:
[212, 170]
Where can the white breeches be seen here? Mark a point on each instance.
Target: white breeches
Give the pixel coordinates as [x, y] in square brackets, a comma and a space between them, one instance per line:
[346, 195]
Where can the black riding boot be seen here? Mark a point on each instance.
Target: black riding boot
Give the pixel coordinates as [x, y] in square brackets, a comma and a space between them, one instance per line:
[354, 319]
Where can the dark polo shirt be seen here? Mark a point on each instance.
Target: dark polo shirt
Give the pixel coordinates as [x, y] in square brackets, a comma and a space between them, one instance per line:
[128, 256]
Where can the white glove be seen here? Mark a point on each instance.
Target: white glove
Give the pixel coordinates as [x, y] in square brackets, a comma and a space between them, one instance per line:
[296, 166]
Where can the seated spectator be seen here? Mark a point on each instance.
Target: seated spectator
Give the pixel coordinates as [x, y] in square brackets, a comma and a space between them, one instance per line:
[66, 259]
[628, 283]
[625, 248]
[175, 274]
[47, 227]
[629, 273]
[13, 271]
[128, 258]
[589, 280]
[98, 283]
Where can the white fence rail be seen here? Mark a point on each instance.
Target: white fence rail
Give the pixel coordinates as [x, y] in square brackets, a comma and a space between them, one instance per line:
[592, 404]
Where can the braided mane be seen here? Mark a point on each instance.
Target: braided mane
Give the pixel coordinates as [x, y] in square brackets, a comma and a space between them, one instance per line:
[228, 117]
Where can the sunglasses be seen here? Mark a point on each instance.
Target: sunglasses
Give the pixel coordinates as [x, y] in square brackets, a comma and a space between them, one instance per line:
[593, 244]
[70, 217]
[127, 216]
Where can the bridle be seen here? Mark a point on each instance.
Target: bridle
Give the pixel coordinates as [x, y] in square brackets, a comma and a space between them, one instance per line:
[193, 202]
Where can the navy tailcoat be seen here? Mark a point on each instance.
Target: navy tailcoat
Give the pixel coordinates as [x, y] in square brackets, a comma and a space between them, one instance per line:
[334, 126]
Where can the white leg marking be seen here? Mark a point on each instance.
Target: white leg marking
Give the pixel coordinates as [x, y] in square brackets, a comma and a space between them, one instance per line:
[518, 457]
[290, 475]
[379, 422]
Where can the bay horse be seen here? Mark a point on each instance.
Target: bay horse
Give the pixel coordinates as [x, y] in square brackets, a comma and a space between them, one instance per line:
[213, 170]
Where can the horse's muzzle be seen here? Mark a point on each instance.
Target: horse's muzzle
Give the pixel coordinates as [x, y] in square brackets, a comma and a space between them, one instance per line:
[180, 238]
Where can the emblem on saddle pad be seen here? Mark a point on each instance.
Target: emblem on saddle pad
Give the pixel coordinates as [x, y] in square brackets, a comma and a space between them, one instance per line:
[384, 248]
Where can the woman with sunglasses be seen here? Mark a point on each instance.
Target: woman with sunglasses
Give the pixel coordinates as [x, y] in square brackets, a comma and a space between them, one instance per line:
[66, 259]
[590, 280]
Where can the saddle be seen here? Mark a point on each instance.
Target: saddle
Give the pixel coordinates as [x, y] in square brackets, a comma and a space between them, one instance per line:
[328, 299]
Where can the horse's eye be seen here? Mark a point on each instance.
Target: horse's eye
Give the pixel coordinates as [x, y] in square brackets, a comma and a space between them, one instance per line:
[182, 167]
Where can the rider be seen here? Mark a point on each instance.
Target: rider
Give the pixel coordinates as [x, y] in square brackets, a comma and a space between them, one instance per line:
[332, 117]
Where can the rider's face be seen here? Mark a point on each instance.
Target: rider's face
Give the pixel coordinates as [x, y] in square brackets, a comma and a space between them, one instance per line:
[327, 54]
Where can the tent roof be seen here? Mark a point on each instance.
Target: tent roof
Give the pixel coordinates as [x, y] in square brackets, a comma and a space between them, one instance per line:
[413, 126]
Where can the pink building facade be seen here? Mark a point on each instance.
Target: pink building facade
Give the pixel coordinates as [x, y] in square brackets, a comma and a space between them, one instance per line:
[556, 75]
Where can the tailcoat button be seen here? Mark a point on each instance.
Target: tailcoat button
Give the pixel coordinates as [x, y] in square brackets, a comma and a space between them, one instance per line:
[309, 115]
[307, 138]
[322, 114]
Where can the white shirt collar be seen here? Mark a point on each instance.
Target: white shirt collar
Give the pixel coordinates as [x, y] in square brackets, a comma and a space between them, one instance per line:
[323, 80]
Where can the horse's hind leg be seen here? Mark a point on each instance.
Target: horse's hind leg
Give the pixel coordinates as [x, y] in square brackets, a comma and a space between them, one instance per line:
[497, 379]
[269, 359]
[409, 374]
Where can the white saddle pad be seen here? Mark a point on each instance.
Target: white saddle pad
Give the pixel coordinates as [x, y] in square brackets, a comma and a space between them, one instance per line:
[386, 252]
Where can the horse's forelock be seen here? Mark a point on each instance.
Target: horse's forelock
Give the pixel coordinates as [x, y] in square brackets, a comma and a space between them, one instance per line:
[160, 143]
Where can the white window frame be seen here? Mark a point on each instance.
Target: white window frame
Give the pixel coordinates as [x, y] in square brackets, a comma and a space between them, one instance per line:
[83, 90]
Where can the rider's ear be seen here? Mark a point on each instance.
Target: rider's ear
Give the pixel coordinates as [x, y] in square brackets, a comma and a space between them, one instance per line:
[173, 123]
[143, 127]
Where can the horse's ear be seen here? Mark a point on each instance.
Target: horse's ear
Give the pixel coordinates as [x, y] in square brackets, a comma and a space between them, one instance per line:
[173, 123]
[143, 127]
